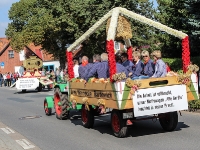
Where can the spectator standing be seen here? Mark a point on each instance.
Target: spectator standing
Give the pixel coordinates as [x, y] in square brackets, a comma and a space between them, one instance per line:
[61, 74]
[15, 76]
[1, 79]
[12, 78]
[57, 74]
[8, 79]
[5, 79]
[76, 67]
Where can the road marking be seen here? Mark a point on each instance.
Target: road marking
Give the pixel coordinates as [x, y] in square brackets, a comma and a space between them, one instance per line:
[25, 144]
[7, 130]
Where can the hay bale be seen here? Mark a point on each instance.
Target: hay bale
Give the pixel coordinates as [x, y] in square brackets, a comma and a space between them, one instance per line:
[124, 30]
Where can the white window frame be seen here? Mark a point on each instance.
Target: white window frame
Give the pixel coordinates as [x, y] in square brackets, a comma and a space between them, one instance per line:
[11, 53]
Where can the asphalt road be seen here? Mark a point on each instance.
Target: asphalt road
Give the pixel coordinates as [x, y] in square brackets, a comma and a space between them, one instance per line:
[48, 133]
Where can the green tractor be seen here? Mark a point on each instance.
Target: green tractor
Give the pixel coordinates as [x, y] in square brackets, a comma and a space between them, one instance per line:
[59, 102]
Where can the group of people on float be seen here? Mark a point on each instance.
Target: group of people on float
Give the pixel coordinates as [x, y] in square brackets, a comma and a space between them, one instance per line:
[135, 69]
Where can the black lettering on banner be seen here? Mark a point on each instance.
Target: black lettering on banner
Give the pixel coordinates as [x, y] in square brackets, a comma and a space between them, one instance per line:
[101, 94]
[168, 99]
[141, 102]
[146, 95]
[144, 108]
[87, 93]
[164, 93]
[170, 105]
[139, 96]
[158, 106]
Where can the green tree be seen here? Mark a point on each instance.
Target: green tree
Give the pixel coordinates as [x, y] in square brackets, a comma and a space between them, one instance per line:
[45, 22]
[173, 14]
[193, 22]
[55, 23]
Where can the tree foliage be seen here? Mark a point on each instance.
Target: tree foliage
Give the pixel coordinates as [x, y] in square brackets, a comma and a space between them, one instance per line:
[173, 14]
[182, 15]
[193, 22]
[55, 23]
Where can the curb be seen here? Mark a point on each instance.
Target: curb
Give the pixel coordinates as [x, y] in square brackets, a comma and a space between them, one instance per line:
[12, 140]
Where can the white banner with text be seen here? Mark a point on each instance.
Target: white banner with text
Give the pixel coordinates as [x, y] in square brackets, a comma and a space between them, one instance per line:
[160, 100]
[27, 83]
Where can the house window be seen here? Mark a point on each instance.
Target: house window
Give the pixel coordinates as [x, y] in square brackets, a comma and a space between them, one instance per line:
[11, 54]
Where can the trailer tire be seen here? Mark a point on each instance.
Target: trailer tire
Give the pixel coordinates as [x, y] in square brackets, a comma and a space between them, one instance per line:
[48, 111]
[118, 124]
[170, 121]
[61, 104]
[87, 117]
[39, 87]
[23, 91]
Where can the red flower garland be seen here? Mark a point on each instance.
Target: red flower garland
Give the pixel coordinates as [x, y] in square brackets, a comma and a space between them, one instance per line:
[69, 59]
[129, 52]
[185, 53]
[111, 58]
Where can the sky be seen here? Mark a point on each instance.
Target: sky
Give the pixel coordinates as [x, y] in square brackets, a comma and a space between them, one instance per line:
[4, 8]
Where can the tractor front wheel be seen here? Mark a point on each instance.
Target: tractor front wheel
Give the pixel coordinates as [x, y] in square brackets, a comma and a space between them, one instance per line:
[47, 110]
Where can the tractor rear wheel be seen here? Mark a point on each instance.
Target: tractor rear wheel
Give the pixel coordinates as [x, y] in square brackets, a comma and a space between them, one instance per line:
[61, 104]
[169, 121]
[47, 110]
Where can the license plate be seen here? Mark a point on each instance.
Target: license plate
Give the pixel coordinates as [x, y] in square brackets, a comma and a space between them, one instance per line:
[127, 115]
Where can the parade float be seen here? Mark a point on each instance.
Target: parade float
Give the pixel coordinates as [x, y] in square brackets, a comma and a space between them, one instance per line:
[127, 100]
[32, 78]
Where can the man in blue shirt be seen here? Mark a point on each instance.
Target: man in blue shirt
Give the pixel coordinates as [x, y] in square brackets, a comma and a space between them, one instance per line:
[96, 60]
[126, 63]
[100, 69]
[84, 67]
[120, 68]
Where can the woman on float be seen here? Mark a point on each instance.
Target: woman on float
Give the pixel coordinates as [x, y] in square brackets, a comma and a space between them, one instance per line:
[160, 66]
[148, 66]
[138, 66]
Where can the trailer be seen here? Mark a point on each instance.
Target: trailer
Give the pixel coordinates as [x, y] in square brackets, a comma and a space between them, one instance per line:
[32, 78]
[128, 100]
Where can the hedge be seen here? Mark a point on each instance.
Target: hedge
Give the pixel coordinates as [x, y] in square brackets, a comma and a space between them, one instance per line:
[176, 63]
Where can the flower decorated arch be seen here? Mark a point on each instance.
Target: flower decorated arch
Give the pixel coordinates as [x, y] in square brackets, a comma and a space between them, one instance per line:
[114, 14]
